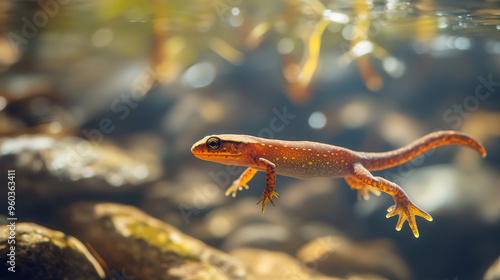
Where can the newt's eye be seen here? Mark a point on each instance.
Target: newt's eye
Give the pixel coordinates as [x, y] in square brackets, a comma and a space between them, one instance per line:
[213, 143]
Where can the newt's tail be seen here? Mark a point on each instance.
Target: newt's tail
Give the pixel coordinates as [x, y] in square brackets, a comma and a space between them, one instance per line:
[378, 161]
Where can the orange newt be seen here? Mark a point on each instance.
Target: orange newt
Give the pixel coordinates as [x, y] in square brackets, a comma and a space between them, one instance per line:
[304, 159]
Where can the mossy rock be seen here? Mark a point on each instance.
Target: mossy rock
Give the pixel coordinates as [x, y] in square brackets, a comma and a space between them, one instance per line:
[42, 253]
[144, 247]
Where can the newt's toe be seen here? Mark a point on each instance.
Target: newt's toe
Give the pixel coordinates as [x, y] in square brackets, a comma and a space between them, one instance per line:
[265, 197]
[363, 189]
[407, 211]
[234, 188]
[365, 192]
[231, 191]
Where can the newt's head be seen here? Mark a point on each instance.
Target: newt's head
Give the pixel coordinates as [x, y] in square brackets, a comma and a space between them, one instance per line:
[226, 148]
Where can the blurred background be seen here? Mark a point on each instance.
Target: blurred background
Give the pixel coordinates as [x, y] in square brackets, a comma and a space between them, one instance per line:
[100, 102]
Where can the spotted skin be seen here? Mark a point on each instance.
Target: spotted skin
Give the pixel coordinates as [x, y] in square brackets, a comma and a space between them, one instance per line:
[303, 159]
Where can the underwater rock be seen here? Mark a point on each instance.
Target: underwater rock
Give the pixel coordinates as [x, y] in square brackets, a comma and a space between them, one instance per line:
[269, 265]
[129, 240]
[339, 256]
[42, 253]
[242, 224]
[493, 272]
[311, 230]
[261, 235]
[52, 167]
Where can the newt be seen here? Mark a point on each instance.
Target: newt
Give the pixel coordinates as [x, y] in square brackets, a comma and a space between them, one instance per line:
[304, 159]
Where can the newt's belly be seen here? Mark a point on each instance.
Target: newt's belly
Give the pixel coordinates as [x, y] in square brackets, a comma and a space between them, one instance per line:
[304, 170]
[309, 159]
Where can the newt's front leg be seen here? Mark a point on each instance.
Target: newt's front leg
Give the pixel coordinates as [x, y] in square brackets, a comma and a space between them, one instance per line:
[241, 182]
[268, 193]
[403, 207]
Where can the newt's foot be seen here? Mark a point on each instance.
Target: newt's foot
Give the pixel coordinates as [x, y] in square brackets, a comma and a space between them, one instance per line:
[364, 192]
[235, 187]
[363, 189]
[265, 197]
[407, 212]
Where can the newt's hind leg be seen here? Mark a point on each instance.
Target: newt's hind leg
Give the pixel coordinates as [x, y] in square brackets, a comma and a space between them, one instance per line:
[241, 182]
[404, 208]
[363, 189]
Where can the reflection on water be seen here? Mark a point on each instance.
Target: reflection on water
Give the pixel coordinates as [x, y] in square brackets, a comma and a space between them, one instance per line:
[171, 36]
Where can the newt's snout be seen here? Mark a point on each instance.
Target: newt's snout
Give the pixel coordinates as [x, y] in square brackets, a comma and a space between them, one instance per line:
[199, 148]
